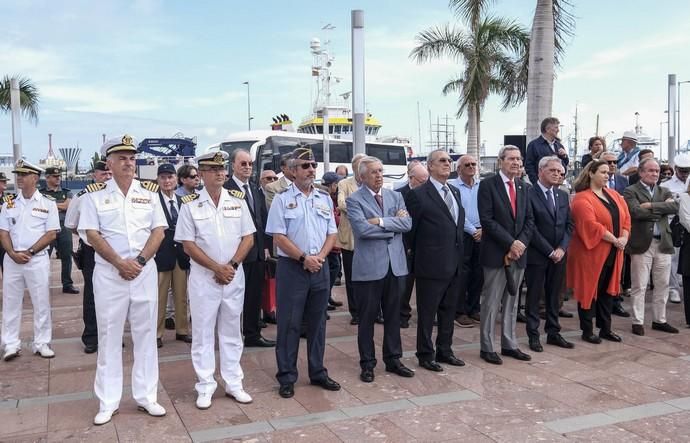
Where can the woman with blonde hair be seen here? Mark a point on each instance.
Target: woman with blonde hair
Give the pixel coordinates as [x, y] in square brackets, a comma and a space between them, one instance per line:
[602, 227]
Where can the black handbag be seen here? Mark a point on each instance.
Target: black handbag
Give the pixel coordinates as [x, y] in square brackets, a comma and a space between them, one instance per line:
[677, 232]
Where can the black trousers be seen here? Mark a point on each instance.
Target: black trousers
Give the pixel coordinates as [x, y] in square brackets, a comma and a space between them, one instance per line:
[544, 280]
[64, 247]
[686, 298]
[472, 278]
[371, 296]
[405, 308]
[347, 269]
[300, 293]
[90, 334]
[436, 298]
[600, 308]
[254, 273]
[333, 267]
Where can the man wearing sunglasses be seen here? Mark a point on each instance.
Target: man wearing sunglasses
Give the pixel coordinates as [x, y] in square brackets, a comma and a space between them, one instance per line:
[188, 180]
[303, 228]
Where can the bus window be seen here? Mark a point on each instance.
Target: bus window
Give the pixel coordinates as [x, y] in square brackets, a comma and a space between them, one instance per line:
[389, 155]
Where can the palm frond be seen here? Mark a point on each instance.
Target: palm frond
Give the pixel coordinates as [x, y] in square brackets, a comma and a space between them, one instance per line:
[470, 10]
[440, 41]
[564, 26]
[28, 97]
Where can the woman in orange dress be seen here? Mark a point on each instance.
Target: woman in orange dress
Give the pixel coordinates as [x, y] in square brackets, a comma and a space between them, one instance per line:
[595, 255]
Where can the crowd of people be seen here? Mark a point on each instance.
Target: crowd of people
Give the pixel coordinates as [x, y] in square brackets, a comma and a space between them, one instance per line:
[468, 247]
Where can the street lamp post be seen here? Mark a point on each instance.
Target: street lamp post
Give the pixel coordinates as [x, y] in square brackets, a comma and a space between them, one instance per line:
[678, 124]
[249, 108]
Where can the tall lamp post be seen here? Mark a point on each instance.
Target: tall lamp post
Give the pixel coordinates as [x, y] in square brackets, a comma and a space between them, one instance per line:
[678, 124]
[249, 108]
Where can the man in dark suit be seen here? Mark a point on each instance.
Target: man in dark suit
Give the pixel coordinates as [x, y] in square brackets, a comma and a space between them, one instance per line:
[417, 175]
[436, 237]
[545, 145]
[546, 253]
[171, 261]
[507, 224]
[254, 264]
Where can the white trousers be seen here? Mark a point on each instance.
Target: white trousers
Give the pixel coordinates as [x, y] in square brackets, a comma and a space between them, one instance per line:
[640, 266]
[676, 280]
[117, 300]
[33, 276]
[212, 304]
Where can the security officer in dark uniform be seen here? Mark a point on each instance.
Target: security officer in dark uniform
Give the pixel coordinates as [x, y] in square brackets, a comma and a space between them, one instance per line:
[63, 243]
[303, 227]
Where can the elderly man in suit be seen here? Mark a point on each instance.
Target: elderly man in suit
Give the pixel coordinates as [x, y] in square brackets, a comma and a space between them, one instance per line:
[346, 242]
[275, 187]
[437, 245]
[545, 145]
[507, 224]
[417, 175]
[546, 253]
[378, 217]
[650, 246]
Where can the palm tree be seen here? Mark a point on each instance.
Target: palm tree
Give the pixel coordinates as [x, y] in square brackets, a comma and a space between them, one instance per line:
[551, 25]
[28, 97]
[493, 52]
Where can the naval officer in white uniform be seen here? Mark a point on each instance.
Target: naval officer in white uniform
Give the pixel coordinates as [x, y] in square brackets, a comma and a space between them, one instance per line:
[28, 224]
[125, 225]
[216, 230]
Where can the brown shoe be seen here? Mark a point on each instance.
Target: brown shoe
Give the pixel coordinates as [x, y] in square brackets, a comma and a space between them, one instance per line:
[464, 321]
[638, 329]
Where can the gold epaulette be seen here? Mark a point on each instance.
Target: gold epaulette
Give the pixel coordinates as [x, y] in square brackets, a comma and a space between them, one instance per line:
[237, 194]
[93, 187]
[150, 186]
[190, 197]
[9, 199]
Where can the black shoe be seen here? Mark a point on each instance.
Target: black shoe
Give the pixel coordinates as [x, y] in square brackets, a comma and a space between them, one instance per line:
[475, 317]
[262, 324]
[367, 375]
[379, 320]
[565, 314]
[169, 324]
[400, 370]
[90, 349]
[330, 308]
[327, 383]
[619, 311]
[354, 321]
[270, 318]
[183, 337]
[431, 365]
[404, 324]
[664, 327]
[591, 339]
[287, 390]
[521, 317]
[159, 342]
[259, 342]
[638, 330]
[558, 340]
[70, 290]
[516, 354]
[338, 282]
[535, 345]
[335, 303]
[450, 359]
[610, 336]
[491, 357]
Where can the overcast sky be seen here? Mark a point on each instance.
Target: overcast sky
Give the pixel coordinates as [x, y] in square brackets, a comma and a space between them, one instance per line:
[153, 68]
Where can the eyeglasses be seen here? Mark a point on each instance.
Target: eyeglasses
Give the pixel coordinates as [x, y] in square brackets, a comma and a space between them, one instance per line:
[245, 164]
[271, 179]
[444, 160]
[683, 170]
[308, 165]
[193, 176]
[612, 162]
[470, 165]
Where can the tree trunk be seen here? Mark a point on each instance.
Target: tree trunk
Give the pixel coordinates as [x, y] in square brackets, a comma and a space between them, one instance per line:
[473, 130]
[542, 54]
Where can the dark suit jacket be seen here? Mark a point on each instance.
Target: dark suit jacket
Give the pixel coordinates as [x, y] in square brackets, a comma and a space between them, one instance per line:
[407, 239]
[620, 183]
[549, 232]
[435, 238]
[170, 251]
[538, 148]
[499, 228]
[259, 216]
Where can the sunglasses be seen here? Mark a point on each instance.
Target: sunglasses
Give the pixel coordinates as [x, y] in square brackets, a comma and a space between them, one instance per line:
[193, 176]
[612, 162]
[271, 179]
[309, 165]
[470, 165]
[683, 170]
[245, 164]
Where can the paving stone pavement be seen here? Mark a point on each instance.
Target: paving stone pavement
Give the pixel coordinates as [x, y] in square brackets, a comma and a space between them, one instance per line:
[634, 391]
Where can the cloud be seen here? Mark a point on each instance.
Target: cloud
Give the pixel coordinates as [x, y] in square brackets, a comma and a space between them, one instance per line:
[216, 100]
[38, 64]
[94, 99]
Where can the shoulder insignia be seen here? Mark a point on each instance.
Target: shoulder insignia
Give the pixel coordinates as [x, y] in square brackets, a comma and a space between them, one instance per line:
[150, 186]
[93, 187]
[49, 197]
[237, 194]
[190, 197]
[9, 199]
[323, 191]
[82, 192]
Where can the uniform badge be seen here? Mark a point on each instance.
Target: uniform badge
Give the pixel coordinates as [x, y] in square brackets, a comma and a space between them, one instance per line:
[292, 205]
[107, 201]
[218, 158]
[127, 140]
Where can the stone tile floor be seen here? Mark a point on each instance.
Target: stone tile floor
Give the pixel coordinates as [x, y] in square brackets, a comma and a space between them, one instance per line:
[634, 391]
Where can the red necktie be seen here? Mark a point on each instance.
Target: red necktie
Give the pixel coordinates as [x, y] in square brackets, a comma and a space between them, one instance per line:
[513, 197]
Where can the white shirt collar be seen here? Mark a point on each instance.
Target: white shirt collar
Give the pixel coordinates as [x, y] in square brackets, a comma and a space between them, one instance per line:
[544, 188]
[239, 182]
[504, 177]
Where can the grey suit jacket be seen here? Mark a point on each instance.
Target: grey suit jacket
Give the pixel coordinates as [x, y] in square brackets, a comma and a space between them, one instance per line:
[377, 248]
[643, 220]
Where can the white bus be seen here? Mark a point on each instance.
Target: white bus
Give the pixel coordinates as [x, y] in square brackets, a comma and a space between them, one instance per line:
[266, 147]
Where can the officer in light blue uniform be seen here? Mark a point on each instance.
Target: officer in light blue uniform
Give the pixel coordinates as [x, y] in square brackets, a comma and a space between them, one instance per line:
[303, 227]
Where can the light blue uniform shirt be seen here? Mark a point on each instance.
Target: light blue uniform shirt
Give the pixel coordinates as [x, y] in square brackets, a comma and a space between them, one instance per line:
[468, 196]
[306, 221]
